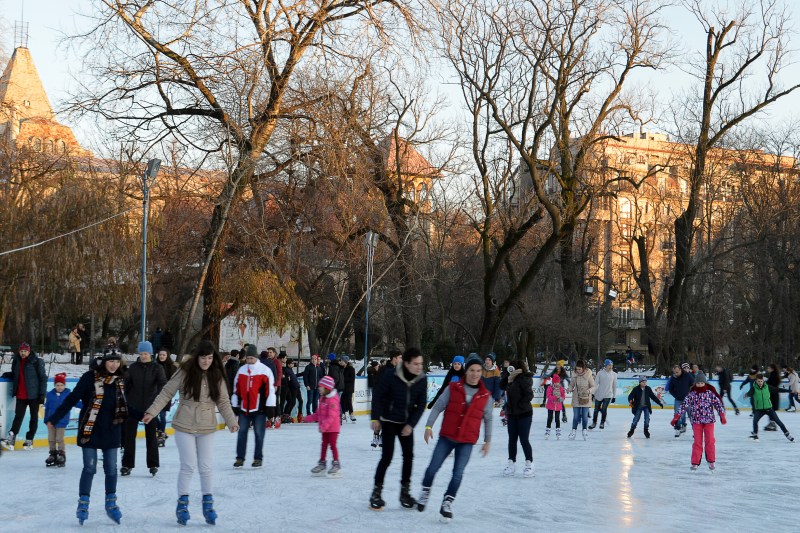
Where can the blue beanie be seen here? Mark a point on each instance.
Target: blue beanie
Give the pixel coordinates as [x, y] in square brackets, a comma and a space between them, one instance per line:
[473, 359]
[458, 359]
[608, 362]
[145, 346]
[492, 355]
[331, 357]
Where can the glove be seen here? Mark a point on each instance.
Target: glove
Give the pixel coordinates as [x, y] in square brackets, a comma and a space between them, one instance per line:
[613, 400]
[674, 420]
[723, 419]
[237, 411]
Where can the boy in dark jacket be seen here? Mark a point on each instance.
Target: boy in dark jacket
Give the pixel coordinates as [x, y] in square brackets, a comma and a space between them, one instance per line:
[397, 406]
[349, 381]
[639, 400]
[29, 386]
[144, 380]
[761, 394]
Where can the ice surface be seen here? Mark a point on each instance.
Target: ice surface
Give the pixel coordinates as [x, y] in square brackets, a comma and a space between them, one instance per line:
[605, 484]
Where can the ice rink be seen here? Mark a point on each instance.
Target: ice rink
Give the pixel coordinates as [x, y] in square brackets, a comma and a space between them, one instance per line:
[607, 483]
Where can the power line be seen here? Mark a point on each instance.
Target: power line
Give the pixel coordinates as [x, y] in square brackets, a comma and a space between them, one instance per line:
[28, 247]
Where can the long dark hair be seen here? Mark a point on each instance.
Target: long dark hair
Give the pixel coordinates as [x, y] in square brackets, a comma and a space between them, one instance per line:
[193, 382]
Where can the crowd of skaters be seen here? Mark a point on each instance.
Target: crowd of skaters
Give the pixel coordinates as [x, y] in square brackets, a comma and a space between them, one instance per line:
[257, 391]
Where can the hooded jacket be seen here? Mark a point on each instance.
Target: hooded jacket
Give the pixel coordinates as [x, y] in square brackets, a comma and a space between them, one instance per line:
[519, 391]
[400, 399]
[328, 414]
[582, 388]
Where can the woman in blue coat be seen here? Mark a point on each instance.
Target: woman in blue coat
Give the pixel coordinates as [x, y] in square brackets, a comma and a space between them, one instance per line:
[102, 392]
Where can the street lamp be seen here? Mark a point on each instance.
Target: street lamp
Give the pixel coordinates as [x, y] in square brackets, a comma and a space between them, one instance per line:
[148, 179]
[371, 241]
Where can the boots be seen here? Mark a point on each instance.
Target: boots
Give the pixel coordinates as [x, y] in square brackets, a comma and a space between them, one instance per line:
[51, 459]
[83, 508]
[630, 431]
[647, 432]
[447, 509]
[376, 503]
[112, 510]
[406, 500]
[182, 510]
[208, 509]
[422, 501]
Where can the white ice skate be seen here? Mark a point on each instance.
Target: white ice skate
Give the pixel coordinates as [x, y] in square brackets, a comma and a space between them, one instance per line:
[528, 472]
[585, 434]
[572, 435]
[558, 434]
[546, 433]
[711, 467]
[510, 468]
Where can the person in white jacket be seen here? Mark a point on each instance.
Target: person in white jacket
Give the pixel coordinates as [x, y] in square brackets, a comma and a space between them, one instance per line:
[794, 388]
[606, 392]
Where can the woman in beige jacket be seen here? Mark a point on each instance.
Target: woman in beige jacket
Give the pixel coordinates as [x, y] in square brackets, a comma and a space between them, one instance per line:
[582, 389]
[203, 389]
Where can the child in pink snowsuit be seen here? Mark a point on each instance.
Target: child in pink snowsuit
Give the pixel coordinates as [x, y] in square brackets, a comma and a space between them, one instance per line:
[554, 395]
[701, 403]
[328, 415]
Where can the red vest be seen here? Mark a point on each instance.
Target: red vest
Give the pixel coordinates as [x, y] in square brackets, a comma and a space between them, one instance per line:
[462, 422]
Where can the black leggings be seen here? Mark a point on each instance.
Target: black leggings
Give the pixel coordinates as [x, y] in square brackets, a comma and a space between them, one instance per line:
[550, 415]
[129, 429]
[390, 431]
[347, 402]
[520, 429]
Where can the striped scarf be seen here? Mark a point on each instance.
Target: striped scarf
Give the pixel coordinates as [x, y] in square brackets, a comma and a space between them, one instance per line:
[120, 409]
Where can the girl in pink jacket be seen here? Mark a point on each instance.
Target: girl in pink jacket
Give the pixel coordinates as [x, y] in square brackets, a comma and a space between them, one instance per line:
[555, 402]
[328, 415]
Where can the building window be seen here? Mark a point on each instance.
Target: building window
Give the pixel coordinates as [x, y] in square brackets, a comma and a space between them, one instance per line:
[62, 147]
[49, 146]
[36, 144]
[624, 208]
[423, 192]
[411, 192]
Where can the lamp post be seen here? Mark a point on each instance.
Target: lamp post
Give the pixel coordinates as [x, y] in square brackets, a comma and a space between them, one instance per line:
[148, 179]
[371, 241]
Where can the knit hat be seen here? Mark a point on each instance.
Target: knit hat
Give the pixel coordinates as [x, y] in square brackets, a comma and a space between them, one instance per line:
[327, 382]
[61, 377]
[345, 359]
[700, 378]
[473, 359]
[458, 359]
[643, 378]
[25, 346]
[608, 362]
[331, 357]
[252, 351]
[145, 346]
[685, 366]
[556, 379]
[492, 356]
[561, 363]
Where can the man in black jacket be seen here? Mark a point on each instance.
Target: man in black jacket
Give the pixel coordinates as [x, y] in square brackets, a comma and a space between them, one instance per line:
[349, 381]
[725, 380]
[29, 386]
[143, 382]
[312, 373]
[397, 406]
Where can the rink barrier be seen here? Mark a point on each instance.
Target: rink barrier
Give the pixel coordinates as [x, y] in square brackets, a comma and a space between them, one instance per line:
[362, 399]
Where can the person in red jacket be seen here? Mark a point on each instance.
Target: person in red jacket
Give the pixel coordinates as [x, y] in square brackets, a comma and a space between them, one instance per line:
[465, 403]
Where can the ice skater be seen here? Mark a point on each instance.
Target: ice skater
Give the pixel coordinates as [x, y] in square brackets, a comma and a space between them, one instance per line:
[724, 379]
[519, 391]
[750, 380]
[606, 392]
[639, 400]
[465, 403]
[582, 389]
[762, 394]
[678, 385]
[794, 388]
[102, 392]
[554, 402]
[254, 397]
[700, 404]
[29, 386]
[202, 385]
[330, 424]
[55, 434]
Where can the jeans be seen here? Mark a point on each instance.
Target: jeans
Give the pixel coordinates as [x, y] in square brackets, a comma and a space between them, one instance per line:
[703, 432]
[19, 414]
[161, 421]
[772, 416]
[259, 421]
[196, 452]
[638, 414]
[90, 469]
[580, 414]
[675, 408]
[791, 399]
[601, 406]
[519, 429]
[461, 457]
[391, 430]
[312, 400]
